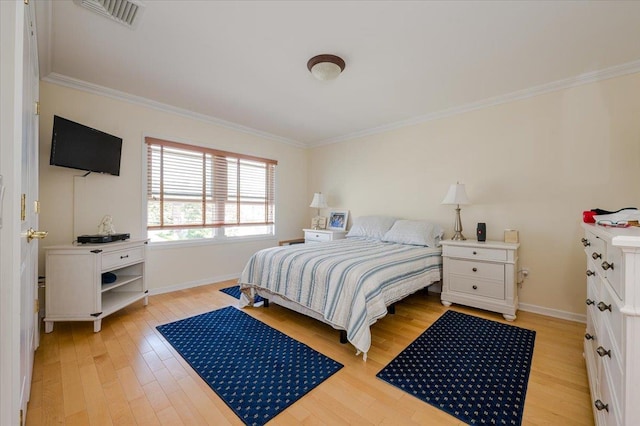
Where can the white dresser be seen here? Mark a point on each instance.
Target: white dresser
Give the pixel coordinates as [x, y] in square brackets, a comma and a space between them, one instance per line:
[481, 274]
[74, 290]
[321, 235]
[612, 338]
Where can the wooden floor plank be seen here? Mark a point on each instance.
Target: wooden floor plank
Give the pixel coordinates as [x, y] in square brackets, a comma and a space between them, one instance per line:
[129, 374]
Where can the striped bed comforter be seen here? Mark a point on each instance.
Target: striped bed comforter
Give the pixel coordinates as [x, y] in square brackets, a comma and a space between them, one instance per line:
[348, 283]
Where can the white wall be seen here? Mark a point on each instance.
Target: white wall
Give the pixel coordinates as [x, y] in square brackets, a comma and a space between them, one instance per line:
[97, 195]
[532, 165]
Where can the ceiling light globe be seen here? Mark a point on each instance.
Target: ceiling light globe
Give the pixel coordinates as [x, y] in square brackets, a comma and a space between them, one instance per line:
[325, 71]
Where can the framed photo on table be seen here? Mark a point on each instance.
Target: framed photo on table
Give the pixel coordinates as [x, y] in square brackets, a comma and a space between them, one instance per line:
[319, 222]
[338, 220]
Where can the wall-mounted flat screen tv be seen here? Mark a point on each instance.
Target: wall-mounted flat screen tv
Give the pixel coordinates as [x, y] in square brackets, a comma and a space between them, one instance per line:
[80, 147]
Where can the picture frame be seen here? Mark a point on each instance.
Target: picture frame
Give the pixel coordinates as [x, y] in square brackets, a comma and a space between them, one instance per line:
[338, 220]
[319, 222]
[510, 236]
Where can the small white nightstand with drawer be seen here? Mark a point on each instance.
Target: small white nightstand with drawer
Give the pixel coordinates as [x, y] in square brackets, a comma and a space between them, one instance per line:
[481, 274]
[322, 235]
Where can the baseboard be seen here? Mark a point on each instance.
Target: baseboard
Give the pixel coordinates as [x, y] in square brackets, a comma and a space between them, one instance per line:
[556, 313]
[192, 284]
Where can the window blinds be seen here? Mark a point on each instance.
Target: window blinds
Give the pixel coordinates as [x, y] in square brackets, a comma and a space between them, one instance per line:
[191, 186]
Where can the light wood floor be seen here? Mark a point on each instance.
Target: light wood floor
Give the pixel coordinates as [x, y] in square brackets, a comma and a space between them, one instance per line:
[128, 374]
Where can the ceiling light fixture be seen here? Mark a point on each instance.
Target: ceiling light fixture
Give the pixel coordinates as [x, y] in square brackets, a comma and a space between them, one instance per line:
[326, 67]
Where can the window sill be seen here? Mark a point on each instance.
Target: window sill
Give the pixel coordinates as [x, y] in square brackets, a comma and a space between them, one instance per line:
[160, 245]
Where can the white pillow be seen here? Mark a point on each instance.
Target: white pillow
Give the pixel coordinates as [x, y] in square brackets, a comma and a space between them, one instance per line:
[414, 232]
[373, 227]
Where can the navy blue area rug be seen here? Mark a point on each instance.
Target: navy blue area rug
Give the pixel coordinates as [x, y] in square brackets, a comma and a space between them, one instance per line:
[256, 370]
[474, 369]
[235, 292]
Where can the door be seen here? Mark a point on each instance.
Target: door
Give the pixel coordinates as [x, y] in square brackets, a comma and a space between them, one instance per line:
[29, 323]
[18, 167]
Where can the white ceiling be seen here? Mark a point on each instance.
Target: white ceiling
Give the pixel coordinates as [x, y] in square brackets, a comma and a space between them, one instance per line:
[243, 64]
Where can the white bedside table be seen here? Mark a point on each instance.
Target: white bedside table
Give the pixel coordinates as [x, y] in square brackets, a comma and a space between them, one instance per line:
[481, 274]
[321, 235]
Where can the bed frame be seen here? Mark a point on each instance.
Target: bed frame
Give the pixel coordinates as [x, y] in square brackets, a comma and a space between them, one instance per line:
[278, 300]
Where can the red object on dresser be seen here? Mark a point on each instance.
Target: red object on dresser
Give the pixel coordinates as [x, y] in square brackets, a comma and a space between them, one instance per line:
[587, 216]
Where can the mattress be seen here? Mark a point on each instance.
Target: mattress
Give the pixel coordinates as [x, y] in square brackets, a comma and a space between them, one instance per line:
[346, 283]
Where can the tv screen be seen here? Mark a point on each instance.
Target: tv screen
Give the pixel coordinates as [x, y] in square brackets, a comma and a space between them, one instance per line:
[80, 147]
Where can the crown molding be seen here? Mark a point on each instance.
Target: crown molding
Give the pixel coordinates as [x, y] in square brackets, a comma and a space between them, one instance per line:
[590, 77]
[586, 78]
[84, 86]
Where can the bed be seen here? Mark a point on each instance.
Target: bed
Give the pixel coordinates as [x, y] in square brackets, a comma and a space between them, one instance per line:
[348, 283]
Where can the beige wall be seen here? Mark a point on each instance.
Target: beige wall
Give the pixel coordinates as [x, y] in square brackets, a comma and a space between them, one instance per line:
[532, 165]
[97, 195]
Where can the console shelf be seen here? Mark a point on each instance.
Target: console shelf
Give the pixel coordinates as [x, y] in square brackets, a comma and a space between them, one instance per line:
[73, 286]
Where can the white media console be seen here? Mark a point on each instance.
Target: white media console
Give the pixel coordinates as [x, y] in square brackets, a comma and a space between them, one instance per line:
[73, 284]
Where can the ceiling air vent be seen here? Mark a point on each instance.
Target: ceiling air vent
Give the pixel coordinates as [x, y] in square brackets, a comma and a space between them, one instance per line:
[126, 12]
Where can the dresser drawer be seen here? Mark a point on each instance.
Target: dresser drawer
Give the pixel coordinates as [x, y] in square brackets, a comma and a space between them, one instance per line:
[483, 270]
[611, 375]
[477, 287]
[595, 245]
[316, 237]
[615, 273]
[610, 415]
[593, 324]
[120, 258]
[609, 316]
[597, 252]
[480, 253]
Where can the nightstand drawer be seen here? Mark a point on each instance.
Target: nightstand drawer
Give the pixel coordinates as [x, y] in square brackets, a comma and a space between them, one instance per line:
[478, 287]
[473, 270]
[480, 253]
[310, 236]
[122, 257]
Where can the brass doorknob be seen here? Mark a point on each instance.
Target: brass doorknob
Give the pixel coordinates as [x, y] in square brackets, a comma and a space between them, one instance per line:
[31, 234]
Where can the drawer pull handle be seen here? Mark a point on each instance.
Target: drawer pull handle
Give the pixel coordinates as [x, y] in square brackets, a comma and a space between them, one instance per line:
[589, 273]
[588, 336]
[603, 352]
[475, 252]
[124, 257]
[475, 287]
[606, 265]
[590, 302]
[601, 405]
[604, 307]
[585, 242]
[474, 269]
[595, 255]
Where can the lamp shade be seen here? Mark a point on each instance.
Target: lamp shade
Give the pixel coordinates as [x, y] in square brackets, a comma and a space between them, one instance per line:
[456, 195]
[318, 201]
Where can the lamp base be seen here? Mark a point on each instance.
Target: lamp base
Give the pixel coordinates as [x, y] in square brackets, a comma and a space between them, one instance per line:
[457, 228]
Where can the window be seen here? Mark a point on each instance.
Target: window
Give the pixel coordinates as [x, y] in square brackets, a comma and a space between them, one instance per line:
[195, 192]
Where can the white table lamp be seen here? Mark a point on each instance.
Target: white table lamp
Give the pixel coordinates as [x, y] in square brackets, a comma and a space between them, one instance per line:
[457, 195]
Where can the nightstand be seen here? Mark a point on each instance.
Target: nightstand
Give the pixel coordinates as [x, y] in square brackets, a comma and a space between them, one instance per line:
[481, 274]
[322, 235]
